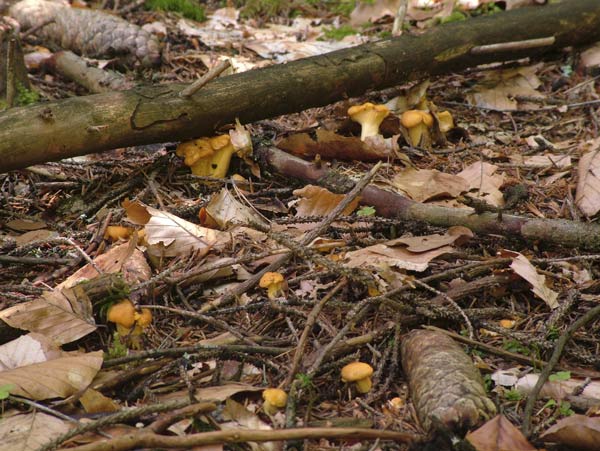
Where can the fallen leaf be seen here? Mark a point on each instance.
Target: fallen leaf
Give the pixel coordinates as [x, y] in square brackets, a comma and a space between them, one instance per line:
[58, 378]
[29, 432]
[27, 350]
[226, 211]
[331, 146]
[542, 161]
[168, 235]
[482, 177]
[317, 201]
[95, 402]
[523, 267]
[559, 389]
[426, 184]
[244, 419]
[590, 58]
[500, 87]
[382, 255]
[499, 434]
[587, 196]
[59, 315]
[35, 235]
[25, 225]
[576, 431]
[428, 242]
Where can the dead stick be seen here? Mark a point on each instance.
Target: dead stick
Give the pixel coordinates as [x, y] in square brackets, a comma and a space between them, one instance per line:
[150, 440]
[388, 204]
[206, 78]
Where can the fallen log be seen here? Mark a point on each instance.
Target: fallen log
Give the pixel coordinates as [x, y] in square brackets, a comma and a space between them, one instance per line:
[82, 125]
[559, 232]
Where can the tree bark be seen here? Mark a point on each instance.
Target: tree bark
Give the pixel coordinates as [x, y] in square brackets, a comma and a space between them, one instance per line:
[560, 232]
[82, 125]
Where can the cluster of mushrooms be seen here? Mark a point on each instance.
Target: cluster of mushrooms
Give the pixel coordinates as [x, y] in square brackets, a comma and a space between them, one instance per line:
[416, 123]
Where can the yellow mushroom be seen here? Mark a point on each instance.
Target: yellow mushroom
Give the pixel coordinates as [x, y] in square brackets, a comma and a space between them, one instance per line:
[273, 282]
[417, 122]
[359, 373]
[275, 399]
[207, 157]
[123, 315]
[117, 232]
[445, 121]
[369, 116]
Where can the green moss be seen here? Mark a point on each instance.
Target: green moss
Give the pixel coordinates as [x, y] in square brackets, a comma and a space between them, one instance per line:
[189, 9]
[266, 8]
[26, 96]
[337, 34]
[456, 16]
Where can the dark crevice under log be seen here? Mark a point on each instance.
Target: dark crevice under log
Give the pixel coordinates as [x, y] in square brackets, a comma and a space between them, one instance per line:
[83, 125]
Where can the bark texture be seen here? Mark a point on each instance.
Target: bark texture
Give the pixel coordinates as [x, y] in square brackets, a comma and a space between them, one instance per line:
[446, 388]
[83, 125]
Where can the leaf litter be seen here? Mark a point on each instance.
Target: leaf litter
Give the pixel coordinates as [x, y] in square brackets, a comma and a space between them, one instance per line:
[350, 295]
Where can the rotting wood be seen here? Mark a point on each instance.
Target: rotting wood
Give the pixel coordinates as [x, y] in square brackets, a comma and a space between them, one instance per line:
[82, 125]
[388, 204]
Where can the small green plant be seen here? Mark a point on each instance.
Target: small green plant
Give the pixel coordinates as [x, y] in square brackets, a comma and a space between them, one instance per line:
[367, 210]
[553, 333]
[5, 390]
[515, 346]
[513, 395]
[337, 34]
[456, 16]
[560, 376]
[488, 383]
[564, 408]
[189, 9]
[26, 96]
[305, 380]
[117, 348]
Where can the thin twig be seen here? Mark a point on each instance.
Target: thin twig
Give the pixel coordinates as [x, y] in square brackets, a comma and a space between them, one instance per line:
[206, 78]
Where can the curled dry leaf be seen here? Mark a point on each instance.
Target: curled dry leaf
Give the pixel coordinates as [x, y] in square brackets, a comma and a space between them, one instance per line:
[425, 184]
[226, 211]
[587, 197]
[317, 201]
[482, 177]
[499, 434]
[169, 235]
[446, 388]
[523, 267]
[331, 146]
[29, 432]
[577, 432]
[417, 254]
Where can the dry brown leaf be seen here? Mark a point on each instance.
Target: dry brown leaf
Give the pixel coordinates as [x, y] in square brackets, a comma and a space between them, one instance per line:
[95, 402]
[426, 184]
[29, 432]
[25, 225]
[382, 255]
[35, 235]
[242, 418]
[499, 434]
[226, 211]
[590, 58]
[123, 258]
[559, 389]
[27, 350]
[483, 178]
[218, 393]
[577, 432]
[373, 11]
[523, 267]
[435, 241]
[331, 146]
[317, 201]
[542, 161]
[499, 89]
[168, 235]
[59, 315]
[587, 197]
[58, 378]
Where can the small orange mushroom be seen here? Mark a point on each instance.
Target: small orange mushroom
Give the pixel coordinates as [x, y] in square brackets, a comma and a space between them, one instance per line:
[273, 282]
[275, 399]
[417, 122]
[359, 373]
[369, 116]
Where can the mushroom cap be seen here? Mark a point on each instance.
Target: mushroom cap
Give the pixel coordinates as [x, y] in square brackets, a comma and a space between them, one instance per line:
[269, 278]
[356, 371]
[412, 118]
[275, 396]
[122, 313]
[219, 142]
[144, 318]
[368, 111]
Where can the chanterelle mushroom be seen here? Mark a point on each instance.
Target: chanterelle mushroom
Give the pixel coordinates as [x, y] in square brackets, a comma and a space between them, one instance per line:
[417, 122]
[369, 116]
[359, 373]
[273, 282]
[275, 398]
